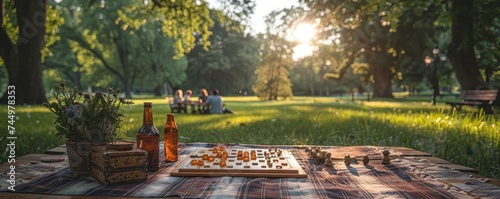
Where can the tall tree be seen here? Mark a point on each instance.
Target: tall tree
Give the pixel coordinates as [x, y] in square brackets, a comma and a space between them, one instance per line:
[140, 49]
[23, 35]
[362, 30]
[160, 69]
[180, 20]
[309, 74]
[461, 48]
[273, 79]
[65, 63]
[487, 43]
[232, 55]
[417, 32]
[107, 37]
[474, 25]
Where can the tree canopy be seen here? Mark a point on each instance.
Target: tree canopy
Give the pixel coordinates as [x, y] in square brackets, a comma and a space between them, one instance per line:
[155, 46]
[101, 24]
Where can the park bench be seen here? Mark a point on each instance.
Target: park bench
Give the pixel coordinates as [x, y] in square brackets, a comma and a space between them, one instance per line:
[483, 99]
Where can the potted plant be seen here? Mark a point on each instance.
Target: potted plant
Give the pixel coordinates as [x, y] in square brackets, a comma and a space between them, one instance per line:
[84, 120]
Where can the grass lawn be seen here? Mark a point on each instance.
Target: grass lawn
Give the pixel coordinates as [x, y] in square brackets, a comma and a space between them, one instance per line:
[467, 138]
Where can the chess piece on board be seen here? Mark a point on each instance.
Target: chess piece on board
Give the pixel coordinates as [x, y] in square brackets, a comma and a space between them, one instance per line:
[386, 159]
[328, 155]
[328, 161]
[366, 159]
[347, 160]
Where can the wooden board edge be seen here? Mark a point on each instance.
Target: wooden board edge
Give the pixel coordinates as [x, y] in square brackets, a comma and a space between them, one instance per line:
[175, 172]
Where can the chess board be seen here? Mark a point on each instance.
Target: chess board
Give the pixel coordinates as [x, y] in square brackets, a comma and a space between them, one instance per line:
[270, 162]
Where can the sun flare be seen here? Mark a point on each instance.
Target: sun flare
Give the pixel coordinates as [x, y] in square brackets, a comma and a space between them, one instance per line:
[303, 33]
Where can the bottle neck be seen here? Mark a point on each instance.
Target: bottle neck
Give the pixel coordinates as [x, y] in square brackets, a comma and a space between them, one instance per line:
[148, 116]
[170, 118]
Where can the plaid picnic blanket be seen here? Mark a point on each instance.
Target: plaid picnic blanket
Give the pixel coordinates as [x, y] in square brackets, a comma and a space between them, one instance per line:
[403, 178]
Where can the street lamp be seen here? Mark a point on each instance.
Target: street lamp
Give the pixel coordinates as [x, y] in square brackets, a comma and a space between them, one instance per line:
[438, 59]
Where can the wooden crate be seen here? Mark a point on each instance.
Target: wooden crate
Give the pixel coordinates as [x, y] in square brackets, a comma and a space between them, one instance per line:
[119, 166]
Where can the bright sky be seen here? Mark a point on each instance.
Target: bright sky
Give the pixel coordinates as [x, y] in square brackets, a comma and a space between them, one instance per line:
[263, 8]
[303, 33]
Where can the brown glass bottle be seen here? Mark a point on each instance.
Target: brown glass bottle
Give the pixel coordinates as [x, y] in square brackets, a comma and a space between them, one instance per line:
[148, 138]
[171, 138]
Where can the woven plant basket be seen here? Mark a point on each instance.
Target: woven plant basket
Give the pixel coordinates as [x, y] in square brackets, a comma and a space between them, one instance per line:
[79, 156]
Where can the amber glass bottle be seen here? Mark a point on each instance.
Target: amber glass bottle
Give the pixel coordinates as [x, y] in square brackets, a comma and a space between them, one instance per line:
[148, 138]
[171, 138]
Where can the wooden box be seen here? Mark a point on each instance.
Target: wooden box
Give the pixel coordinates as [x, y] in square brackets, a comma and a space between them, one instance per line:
[119, 166]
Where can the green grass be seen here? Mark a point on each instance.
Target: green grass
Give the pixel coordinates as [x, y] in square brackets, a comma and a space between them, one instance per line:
[467, 138]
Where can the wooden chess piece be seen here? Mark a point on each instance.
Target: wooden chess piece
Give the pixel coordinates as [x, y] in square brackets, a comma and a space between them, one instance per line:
[366, 159]
[328, 155]
[328, 161]
[386, 159]
[322, 156]
[347, 160]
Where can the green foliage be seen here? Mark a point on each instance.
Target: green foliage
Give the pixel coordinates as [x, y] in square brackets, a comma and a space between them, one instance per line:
[80, 53]
[52, 24]
[139, 46]
[232, 14]
[10, 21]
[127, 42]
[318, 74]
[486, 29]
[54, 21]
[392, 37]
[157, 59]
[412, 71]
[364, 28]
[273, 79]
[180, 19]
[85, 117]
[232, 55]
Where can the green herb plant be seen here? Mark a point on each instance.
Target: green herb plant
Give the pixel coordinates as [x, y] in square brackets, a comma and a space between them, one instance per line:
[80, 116]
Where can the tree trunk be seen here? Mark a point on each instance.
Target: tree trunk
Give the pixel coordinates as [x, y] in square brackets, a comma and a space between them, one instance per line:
[461, 48]
[382, 85]
[128, 90]
[157, 90]
[123, 54]
[311, 82]
[23, 60]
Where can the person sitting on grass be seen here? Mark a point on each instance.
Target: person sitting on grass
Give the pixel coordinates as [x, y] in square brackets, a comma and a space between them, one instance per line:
[202, 98]
[177, 103]
[215, 103]
[187, 100]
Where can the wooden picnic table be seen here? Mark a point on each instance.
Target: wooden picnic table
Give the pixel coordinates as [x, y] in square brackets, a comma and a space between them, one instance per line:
[182, 107]
[412, 173]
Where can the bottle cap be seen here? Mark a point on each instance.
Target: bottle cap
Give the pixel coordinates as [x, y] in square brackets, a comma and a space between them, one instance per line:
[147, 104]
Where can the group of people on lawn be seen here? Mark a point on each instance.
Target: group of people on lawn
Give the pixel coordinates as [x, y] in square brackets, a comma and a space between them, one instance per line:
[207, 104]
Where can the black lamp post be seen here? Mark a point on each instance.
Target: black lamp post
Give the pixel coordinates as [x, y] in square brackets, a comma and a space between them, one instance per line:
[438, 59]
